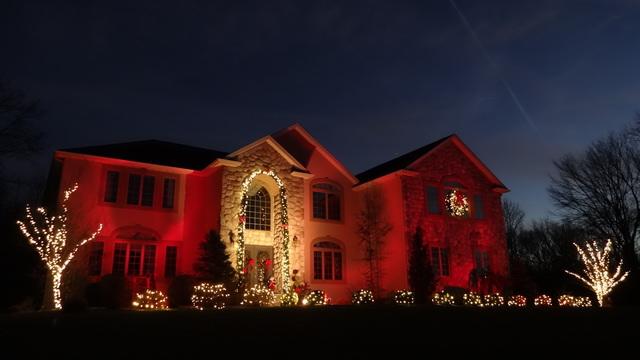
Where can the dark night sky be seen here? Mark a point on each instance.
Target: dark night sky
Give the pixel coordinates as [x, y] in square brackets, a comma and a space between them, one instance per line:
[371, 80]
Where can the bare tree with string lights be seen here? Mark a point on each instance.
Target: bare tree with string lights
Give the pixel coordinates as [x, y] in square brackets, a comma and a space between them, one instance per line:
[49, 236]
[597, 274]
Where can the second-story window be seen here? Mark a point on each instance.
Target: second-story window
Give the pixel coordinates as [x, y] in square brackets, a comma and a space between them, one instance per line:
[478, 206]
[168, 193]
[326, 201]
[148, 185]
[133, 190]
[111, 187]
[140, 190]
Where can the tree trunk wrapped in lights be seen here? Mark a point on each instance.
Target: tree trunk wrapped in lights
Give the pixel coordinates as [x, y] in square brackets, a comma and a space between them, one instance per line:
[49, 236]
[598, 277]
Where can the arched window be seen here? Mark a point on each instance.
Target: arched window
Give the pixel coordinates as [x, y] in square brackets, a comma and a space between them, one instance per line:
[259, 211]
[327, 261]
[327, 201]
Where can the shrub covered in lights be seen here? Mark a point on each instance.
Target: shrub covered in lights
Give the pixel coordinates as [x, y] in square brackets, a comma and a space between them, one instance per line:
[150, 300]
[543, 300]
[403, 297]
[362, 297]
[315, 297]
[443, 298]
[574, 301]
[493, 300]
[517, 301]
[289, 299]
[472, 299]
[209, 296]
[258, 295]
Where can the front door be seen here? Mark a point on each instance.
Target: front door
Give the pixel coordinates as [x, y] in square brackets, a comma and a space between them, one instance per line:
[259, 265]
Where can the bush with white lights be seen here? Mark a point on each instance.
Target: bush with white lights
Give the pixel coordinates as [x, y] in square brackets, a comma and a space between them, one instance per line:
[472, 299]
[315, 297]
[209, 296]
[403, 297]
[493, 300]
[258, 295]
[543, 300]
[362, 297]
[517, 301]
[443, 298]
[150, 300]
[289, 299]
[574, 301]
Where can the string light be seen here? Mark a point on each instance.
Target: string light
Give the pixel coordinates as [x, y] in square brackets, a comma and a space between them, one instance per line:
[493, 300]
[362, 297]
[315, 297]
[49, 236]
[517, 301]
[597, 275]
[457, 203]
[443, 298]
[150, 300]
[284, 224]
[403, 297]
[258, 295]
[543, 300]
[574, 301]
[472, 299]
[209, 296]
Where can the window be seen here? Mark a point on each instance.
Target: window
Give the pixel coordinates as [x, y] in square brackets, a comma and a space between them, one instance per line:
[170, 261]
[95, 258]
[478, 206]
[482, 261]
[440, 261]
[149, 260]
[327, 261]
[111, 187]
[258, 215]
[133, 190]
[148, 186]
[119, 259]
[135, 257]
[326, 201]
[168, 193]
[432, 200]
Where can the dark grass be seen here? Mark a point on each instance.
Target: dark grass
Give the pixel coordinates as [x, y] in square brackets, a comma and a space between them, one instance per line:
[330, 332]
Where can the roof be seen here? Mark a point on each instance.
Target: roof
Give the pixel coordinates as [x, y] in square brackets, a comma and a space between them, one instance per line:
[155, 152]
[399, 163]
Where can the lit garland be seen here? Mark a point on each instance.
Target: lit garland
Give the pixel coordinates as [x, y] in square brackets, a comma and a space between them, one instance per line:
[50, 241]
[543, 300]
[150, 300]
[209, 296]
[284, 224]
[596, 263]
[315, 297]
[289, 299]
[403, 297]
[362, 297]
[517, 301]
[443, 298]
[258, 295]
[493, 300]
[457, 203]
[472, 299]
[574, 301]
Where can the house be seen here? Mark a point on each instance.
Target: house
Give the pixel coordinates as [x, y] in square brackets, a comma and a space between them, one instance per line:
[286, 203]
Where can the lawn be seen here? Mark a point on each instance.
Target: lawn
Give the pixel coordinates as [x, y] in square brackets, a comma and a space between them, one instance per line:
[334, 332]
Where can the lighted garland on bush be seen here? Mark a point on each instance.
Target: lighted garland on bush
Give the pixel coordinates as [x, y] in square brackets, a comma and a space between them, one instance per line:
[443, 298]
[543, 300]
[457, 203]
[150, 300]
[289, 299]
[574, 301]
[472, 299]
[493, 300]
[258, 295]
[403, 297]
[315, 297]
[362, 297]
[284, 223]
[517, 301]
[209, 296]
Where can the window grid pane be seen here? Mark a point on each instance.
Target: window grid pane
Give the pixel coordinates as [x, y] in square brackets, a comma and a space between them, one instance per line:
[119, 259]
[432, 200]
[337, 258]
[168, 193]
[317, 265]
[148, 186]
[328, 265]
[95, 258]
[444, 260]
[435, 261]
[334, 206]
[258, 214]
[135, 255]
[479, 206]
[319, 205]
[133, 191]
[111, 187]
[170, 261]
[149, 264]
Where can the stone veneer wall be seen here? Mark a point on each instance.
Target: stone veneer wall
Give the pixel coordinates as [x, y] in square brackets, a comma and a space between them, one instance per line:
[266, 158]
